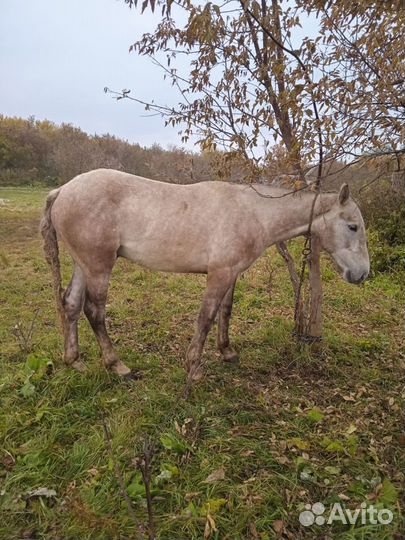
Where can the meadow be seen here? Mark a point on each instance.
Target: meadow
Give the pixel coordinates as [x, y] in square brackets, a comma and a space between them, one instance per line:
[251, 447]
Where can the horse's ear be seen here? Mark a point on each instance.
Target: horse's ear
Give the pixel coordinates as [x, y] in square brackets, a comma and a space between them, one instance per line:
[344, 194]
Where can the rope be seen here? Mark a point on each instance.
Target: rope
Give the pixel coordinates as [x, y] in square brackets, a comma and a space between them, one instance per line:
[307, 338]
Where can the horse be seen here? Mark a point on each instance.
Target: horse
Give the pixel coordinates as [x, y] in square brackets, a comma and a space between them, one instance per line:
[213, 228]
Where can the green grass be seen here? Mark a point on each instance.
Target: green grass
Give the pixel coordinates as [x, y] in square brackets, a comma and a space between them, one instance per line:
[286, 426]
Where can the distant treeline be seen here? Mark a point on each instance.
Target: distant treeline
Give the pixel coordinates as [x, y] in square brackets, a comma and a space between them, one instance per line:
[41, 152]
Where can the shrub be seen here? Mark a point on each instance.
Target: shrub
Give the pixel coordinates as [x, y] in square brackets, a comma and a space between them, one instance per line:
[384, 256]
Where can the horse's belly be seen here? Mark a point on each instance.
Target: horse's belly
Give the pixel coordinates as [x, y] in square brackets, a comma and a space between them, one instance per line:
[164, 259]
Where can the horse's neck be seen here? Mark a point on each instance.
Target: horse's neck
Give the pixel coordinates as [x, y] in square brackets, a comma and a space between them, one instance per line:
[291, 215]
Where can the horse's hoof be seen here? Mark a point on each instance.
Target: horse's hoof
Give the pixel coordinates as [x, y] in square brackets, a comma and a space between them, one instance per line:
[120, 369]
[133, 375]
[231, 358]
[79, 366]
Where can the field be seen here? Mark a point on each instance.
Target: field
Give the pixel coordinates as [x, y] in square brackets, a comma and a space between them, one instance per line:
[244, 454]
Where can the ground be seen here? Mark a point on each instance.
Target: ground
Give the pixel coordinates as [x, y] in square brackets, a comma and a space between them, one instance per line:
[251, 447]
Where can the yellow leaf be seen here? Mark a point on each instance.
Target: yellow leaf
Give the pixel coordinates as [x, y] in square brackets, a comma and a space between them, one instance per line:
[207, 529]
[212, 523]
[351, 429]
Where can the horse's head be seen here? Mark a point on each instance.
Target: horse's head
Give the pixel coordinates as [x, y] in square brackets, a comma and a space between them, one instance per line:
[342, 234]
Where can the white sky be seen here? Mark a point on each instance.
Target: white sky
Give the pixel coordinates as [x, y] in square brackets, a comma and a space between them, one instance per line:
[56, 57]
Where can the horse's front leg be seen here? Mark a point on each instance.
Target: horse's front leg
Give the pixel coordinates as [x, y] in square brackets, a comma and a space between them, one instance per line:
[225, 312]
[218, 282]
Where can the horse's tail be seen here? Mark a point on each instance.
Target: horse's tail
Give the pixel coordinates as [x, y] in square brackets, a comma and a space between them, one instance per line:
[51, 250]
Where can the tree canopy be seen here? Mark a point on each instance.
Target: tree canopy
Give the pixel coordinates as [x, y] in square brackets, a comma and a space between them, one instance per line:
[258, 75]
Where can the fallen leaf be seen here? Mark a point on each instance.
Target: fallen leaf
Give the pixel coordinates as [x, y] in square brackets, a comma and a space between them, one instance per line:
[253, 531]
[8, 461]
[207, 529]
[42, 492]
[333, 470]
[388, 494]
[215, 476]
[212, 523]
[299, 443]
[282, 459]
[278, 526]
[191, 495]
[351, 429]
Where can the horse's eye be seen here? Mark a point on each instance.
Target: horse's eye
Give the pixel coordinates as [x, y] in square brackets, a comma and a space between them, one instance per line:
[353, 227]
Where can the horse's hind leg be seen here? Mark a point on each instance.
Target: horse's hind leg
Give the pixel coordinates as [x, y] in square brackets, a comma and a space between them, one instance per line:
[94, 308]
[224, 317]
[72, 305]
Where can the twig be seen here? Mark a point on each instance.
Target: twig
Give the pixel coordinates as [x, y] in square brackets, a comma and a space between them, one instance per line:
[120, 479]
[144, 465]
[24, 337]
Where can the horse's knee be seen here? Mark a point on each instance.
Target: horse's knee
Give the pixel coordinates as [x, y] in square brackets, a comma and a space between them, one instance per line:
[74, 296]
[94, 309]
[72, 309]
[226, 311]
[90, 310]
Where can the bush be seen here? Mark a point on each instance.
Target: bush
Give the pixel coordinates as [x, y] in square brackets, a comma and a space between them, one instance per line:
[383, 209]
[385, 257]
[392, 227]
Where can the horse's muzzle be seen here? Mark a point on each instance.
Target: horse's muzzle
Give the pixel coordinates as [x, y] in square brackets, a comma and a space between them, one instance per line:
[355, 280]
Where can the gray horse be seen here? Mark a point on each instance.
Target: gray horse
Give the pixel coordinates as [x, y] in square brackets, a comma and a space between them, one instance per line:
[213, 228]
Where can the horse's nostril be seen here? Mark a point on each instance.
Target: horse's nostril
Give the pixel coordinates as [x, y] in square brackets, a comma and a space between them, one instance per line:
[361, 279]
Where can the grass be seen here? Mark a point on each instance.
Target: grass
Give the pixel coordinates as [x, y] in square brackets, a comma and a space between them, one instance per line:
[284, 429]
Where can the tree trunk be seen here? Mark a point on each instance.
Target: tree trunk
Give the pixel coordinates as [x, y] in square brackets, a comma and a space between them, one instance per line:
[307, 325]
[315, 322]
[300, 311]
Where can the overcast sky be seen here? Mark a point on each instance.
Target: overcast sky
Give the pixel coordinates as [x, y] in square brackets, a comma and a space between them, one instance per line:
[56, 56]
